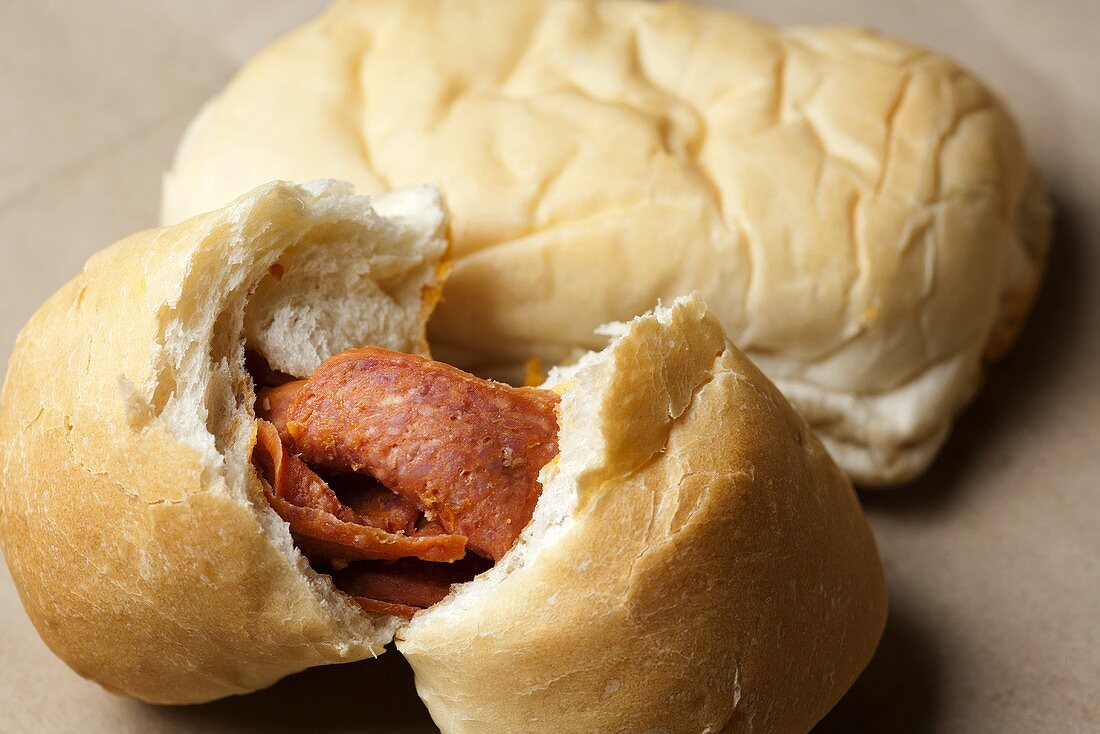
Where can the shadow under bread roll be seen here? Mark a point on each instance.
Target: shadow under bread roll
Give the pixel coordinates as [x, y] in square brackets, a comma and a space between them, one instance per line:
[226, 457]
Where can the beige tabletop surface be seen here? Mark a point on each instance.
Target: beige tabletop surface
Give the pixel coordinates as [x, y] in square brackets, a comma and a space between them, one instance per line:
[993, 558]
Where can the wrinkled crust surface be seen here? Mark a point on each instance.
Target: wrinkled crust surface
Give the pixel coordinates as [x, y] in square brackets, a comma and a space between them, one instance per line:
[858, 212]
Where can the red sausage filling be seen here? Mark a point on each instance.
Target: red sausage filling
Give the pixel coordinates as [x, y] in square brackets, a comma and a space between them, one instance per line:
[399, 474]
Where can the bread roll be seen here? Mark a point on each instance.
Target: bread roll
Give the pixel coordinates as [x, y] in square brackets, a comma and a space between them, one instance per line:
[695, 561]
[859, 213]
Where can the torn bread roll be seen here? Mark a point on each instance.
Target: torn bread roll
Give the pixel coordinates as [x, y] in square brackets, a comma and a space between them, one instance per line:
[133, 523]
[860, 213]
[243, 472]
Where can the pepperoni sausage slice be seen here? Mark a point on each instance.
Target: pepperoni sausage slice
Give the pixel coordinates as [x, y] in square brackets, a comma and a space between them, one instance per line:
[375, 505]
[322, 525]
[409, 584]
[272, 403]
[466, 451]
[385, 607]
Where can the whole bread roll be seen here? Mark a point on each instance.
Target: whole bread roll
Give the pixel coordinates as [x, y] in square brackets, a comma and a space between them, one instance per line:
[859, 212]
[695, 561]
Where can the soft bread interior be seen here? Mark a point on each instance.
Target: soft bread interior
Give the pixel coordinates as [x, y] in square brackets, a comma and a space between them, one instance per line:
[343, 275]
[367, 286]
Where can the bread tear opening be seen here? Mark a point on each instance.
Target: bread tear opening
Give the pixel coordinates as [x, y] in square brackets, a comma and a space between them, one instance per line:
[399, 475]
